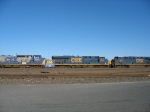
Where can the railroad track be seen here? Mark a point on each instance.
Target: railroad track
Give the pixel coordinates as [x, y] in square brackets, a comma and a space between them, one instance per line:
[72, 73]
[75, 75]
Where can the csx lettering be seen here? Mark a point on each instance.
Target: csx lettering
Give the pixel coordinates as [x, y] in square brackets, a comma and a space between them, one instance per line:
[139, 60]
[76, 60]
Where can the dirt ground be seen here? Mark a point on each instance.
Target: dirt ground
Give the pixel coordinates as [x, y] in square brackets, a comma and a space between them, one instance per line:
[72, 75]
[76, 71]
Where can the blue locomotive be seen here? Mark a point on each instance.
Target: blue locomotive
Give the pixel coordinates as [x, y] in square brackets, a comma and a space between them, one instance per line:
[130, 61]
[22, 61]
[80, 61]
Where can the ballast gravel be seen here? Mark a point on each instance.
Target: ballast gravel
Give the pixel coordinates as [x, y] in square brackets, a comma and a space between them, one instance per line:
[14, 81]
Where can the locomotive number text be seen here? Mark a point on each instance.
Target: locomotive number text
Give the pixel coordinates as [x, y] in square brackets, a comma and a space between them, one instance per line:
[76, 59]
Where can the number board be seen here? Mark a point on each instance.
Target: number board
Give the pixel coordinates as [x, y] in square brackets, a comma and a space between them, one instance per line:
[76, 59]
[139, 60]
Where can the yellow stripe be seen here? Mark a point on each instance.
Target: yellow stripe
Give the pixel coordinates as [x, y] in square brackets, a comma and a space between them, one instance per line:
[43, 63]
[133, 64]
[79, 64]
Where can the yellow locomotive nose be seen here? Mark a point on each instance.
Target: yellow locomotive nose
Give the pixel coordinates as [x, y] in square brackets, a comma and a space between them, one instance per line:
[49, 62]
[109, 63]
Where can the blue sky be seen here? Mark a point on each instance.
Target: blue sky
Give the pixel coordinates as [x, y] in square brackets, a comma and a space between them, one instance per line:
[75, 27]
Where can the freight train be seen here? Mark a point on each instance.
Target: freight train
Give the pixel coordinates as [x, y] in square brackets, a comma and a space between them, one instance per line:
[72, 61]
